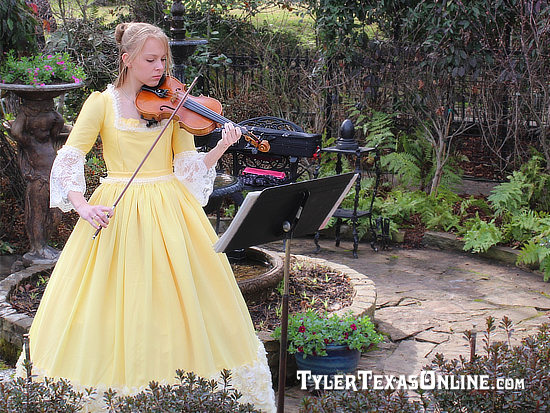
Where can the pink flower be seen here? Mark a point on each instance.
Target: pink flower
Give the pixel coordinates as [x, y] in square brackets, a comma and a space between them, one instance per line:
[49, 56]
[48, 67]
[61, 62]
[76, 79]
[353, 327]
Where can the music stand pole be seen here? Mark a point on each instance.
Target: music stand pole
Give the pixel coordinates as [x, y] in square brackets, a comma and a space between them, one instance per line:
[284, 320]
[288, 229]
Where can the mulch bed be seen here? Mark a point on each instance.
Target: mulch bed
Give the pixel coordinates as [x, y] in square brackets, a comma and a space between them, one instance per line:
[310, 286]
[26, 296]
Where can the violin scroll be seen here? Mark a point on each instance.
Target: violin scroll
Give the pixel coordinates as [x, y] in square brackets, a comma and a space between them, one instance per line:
[260, 144]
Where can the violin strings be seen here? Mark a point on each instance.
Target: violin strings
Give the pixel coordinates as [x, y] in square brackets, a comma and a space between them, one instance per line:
[200, 109]
[209, 113]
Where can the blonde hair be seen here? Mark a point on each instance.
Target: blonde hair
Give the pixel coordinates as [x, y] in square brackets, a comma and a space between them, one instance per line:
[130, 38]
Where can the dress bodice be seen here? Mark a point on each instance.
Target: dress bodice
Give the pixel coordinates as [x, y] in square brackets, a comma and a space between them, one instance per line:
[126, 141]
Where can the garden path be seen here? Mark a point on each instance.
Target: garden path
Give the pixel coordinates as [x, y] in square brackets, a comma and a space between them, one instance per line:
[427, 298]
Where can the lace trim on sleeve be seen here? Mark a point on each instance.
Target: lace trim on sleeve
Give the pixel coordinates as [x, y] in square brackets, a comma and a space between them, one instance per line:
[190, 169]
[67, 175]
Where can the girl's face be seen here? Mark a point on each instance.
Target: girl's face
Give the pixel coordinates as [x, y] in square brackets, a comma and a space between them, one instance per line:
[148, 66]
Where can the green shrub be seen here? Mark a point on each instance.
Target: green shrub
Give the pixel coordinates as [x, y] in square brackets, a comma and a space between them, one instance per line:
[17, 27]
[21, 396]
[364, 401]
[191, 394]
[527, 364]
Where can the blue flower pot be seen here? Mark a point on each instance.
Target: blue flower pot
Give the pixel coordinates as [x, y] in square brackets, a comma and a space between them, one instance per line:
[339, 359]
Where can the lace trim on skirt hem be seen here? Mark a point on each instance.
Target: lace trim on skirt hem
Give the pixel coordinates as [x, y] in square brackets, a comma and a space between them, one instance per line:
[253, 380]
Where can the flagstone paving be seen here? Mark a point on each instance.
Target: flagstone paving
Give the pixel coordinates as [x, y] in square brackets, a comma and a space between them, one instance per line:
[427, 298]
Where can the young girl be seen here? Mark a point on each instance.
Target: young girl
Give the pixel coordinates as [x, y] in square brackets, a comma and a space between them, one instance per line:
[148, 295]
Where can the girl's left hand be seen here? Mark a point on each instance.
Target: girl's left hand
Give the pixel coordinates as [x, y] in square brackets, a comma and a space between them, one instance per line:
[230, 135]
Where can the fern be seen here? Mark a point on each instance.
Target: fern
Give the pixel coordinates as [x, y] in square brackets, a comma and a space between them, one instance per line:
[524, 225]
[539, 181]
[437, 213]
[476, 203]
[510, 196]
[378, 130]
[537, 252]
[440, 217]
[404, 165]
[481, 236]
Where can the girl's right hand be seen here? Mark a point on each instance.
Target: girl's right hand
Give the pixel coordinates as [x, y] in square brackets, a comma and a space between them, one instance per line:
[96, 215]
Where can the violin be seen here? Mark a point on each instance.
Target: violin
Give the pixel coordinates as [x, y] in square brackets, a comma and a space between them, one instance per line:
[198, 115]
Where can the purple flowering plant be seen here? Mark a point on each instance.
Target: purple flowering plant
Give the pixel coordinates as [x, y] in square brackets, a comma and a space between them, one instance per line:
[310, 332]
[40, 70]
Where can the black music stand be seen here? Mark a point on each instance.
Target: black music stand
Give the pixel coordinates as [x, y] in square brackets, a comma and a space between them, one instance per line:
[282, 212]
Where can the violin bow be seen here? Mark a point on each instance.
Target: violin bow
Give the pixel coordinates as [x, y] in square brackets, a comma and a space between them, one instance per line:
[180, 103]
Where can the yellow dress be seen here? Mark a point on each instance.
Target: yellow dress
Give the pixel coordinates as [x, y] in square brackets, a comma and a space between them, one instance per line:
[149, 295]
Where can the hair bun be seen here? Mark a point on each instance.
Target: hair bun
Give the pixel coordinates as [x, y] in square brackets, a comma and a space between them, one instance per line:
[119, 31]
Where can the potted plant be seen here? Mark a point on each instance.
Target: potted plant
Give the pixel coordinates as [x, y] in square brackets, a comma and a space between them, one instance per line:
[328, 343]
[38, 70]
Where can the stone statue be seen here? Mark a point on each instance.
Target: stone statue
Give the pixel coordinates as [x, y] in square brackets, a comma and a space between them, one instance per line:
[37, 132]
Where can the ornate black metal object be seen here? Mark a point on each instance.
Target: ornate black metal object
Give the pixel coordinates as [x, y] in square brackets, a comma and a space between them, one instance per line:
[346, 141]
[288, 144]
[347, 147]
[181, 47]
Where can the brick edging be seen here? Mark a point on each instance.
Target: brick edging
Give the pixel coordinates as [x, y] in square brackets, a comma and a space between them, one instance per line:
[13, 325]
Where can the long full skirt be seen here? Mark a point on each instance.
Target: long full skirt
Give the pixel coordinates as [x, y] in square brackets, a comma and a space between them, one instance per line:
[148, 296]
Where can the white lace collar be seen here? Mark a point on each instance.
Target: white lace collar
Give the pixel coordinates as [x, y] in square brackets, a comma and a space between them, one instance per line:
[127, 124]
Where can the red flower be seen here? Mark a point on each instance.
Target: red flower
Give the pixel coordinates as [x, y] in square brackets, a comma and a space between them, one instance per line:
[301, 329]
[33, 6]
[353, 327]
[300, 349]
[326, 341]
[346, 335]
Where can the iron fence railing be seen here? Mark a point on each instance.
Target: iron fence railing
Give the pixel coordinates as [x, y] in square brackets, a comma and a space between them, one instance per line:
[304, 90]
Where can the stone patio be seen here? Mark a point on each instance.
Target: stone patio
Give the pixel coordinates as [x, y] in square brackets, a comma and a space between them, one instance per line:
[427, 298]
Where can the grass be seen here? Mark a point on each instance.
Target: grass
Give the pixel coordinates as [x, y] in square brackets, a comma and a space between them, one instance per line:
[72, 10]
[282, 20]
